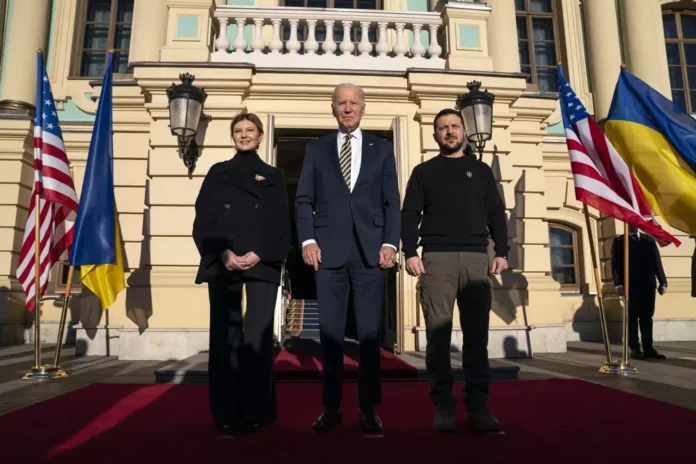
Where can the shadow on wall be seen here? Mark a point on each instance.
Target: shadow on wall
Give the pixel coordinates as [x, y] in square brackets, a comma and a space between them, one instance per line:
[138, 290]
[586, 320]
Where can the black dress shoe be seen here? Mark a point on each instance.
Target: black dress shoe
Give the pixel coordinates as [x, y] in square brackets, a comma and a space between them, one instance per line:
[371, 423]
[326, 421]
[637, 354]
[231, 430]
[653, 354]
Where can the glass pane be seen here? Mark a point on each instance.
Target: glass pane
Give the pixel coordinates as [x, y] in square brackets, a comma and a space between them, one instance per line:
[520, 5]
[545, 54]
[316, 3]
[690, 53]
[343, 3]
[320, 35]
[669, 24]
[562, 256]
[676, 80]
[122, 37]
[96, 36]
[541, 6]
[564, 275]
[688, 24]
[691, 73]
[120, 62]
[524, 53]
[542, 29]
[93, 64]
[528, 71]
[673, 54]
[125, 11]
[295, 3]
[679, 97]
[98, 10]
[367, 4]
[693, 100]
[546, 77]
[64, 275]
[560, 237]
[522, 28]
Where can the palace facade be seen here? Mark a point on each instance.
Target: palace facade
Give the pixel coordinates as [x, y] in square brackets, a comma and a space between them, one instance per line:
[281, 59]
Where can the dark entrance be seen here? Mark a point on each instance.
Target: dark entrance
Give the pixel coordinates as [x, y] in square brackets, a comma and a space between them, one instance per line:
[302, 313]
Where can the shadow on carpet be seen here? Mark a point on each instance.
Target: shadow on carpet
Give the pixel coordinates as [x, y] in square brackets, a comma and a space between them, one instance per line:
[569, 421]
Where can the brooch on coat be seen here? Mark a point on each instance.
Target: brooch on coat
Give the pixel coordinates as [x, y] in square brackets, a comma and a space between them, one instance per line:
[259, 177]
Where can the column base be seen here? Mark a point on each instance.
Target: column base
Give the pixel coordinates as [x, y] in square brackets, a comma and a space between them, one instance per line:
[17, 107]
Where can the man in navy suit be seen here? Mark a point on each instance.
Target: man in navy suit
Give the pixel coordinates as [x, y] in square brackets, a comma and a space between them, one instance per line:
[348, 221]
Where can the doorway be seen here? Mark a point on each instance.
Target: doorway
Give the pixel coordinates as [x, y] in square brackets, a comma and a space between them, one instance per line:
[301, 318]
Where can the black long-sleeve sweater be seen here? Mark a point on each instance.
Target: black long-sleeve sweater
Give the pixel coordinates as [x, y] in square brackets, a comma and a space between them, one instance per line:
[459, 204]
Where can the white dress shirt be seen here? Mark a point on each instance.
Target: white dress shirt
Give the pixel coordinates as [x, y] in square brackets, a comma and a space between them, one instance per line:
[356, 141]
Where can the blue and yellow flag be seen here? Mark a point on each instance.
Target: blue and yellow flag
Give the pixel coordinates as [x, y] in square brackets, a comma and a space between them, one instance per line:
[657, 140]
[96, 244]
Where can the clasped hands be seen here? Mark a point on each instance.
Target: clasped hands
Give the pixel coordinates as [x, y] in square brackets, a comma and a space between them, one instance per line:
[311, 254]
[239, 263]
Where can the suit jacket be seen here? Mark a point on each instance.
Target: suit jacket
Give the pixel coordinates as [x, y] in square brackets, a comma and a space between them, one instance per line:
[326, 210]
[644, 264]
[242, 210]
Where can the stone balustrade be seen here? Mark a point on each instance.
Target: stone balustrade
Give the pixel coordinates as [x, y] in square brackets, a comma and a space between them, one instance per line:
[319, 38]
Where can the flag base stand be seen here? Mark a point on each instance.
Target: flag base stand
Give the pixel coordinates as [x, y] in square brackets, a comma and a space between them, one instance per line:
[45, 372]
[611, 368]
[627, 369]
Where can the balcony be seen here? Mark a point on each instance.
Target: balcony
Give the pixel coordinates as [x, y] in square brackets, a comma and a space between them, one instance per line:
[319, 38]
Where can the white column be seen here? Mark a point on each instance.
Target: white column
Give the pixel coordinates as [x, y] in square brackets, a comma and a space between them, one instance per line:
[604, 53]
[502, 36]
[149, 32]
[27, 31]
[644, 43]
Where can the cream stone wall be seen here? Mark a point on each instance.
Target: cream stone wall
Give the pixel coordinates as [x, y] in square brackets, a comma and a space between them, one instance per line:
[163, 315]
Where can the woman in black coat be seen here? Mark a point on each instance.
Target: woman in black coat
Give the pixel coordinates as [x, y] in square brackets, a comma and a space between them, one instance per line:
[242, 232]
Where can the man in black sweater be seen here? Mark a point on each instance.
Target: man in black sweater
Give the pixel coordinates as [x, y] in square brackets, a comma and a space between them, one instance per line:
[456, 197]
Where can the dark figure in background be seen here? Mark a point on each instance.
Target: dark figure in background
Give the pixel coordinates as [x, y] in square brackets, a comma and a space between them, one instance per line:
[348, 222]
[452, 202]
[693, 273]
[645, 268]
[242, 231]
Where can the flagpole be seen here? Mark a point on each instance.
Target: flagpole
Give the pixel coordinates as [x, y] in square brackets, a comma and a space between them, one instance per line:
[626, 367]
[57, 372]
[38, 372]
[609, 367]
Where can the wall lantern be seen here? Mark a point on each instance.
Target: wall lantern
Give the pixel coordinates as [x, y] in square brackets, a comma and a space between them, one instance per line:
[477, 111]
[185, 108]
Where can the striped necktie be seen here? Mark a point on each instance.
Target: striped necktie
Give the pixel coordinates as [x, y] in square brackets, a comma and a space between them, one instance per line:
[344, 159]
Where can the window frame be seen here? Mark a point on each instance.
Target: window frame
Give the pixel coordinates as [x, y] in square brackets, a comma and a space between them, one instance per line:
[680, 41]
[79, 37]
[55, 279]
[556, 16]
[577, 256]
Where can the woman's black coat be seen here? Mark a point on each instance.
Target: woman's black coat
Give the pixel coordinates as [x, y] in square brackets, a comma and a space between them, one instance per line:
[242, 206]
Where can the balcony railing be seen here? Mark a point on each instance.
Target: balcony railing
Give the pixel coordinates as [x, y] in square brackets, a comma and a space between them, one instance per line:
[319, 38]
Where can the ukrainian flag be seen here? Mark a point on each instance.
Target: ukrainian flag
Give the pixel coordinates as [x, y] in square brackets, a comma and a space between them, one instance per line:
[96, 244]
[657, 140]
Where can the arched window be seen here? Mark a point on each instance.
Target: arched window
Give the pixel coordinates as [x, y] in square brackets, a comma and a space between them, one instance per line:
[537, 37]
[565, 256]
[680, 38]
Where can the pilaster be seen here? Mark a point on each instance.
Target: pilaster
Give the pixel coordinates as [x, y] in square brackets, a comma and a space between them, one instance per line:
[189, 31]
[466, 36]
[150, 19]
[502, 37]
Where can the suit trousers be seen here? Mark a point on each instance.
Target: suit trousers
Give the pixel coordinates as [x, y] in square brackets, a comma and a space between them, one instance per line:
[241, 381]
[641, 309]
[365, 284]
[462, 277]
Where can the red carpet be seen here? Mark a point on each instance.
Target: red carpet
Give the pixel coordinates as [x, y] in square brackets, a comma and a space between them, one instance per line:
[548, 421]
[305, 364]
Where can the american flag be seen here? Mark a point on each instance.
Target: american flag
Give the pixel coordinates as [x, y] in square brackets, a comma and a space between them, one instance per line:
[54, 185]
[602, 178]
